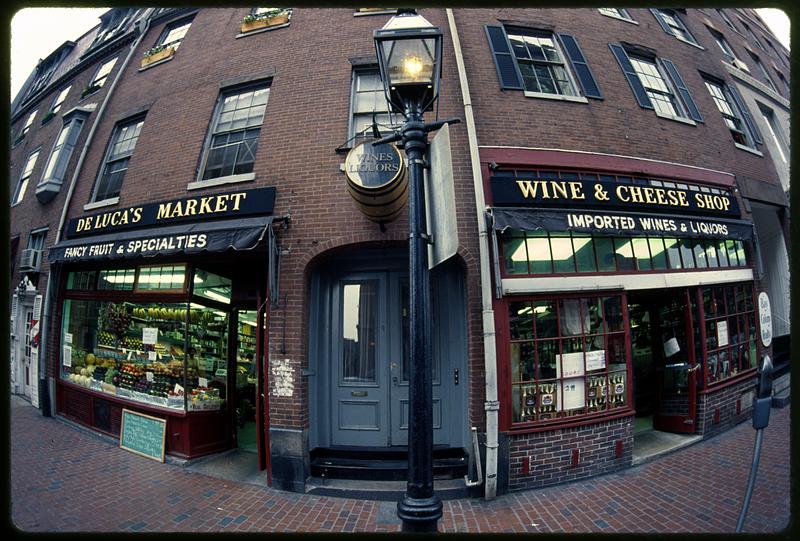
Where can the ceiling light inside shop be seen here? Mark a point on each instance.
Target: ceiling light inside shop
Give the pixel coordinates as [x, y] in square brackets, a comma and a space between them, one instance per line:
[118, 279]
[216, 296]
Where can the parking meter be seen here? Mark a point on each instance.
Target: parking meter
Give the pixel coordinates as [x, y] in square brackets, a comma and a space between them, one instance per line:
[763, 401]
[761, 408]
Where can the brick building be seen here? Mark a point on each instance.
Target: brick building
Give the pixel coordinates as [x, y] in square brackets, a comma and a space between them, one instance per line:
[197, 255]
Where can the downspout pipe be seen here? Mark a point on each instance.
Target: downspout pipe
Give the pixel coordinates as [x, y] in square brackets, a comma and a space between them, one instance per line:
[84, 151]
[491, 405]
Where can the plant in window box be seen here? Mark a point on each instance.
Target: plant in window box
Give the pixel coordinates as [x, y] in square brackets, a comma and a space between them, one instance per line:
[91, 89]
[156, 54]
[265, 19]
[48, 117]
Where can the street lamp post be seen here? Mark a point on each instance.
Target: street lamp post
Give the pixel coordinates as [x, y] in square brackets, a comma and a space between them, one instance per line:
[409, 55]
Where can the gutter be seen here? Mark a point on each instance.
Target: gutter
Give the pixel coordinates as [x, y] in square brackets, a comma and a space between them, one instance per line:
[491, 404]
[71, 190]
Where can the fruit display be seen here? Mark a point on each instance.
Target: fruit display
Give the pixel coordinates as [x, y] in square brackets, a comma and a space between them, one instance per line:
[114, 318]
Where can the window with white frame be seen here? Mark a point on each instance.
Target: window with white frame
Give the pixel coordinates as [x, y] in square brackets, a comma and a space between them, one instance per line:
[102, 74]
[27, 126]
[25, 176]
[174, 33]
[235, 131]
[59, 101]
[616, 13]
[657, 87]
[56, 167]
[541, 63]
[730, 113]
[727, 51]
[36, 239]
[775, 131]
[368, 102]
[671, 23]
[120, 150]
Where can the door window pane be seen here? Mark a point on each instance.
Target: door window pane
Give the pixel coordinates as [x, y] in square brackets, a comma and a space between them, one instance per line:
[359, 330]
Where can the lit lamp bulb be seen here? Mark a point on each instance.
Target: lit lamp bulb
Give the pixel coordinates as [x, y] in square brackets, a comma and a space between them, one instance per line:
[412, 67]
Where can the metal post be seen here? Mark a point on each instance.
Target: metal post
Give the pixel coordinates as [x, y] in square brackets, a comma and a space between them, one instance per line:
[420, 508]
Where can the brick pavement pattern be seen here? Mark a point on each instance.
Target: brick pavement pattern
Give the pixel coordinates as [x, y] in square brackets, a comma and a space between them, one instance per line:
[67, 479]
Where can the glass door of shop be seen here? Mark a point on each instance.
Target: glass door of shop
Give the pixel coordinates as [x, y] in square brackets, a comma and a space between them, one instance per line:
[246, 382]
[664, 365]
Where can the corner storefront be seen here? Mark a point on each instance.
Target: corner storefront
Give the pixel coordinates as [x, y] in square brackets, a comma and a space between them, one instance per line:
[624, 308]
[159, 308]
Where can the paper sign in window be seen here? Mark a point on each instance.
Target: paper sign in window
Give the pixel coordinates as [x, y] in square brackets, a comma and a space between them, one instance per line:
[149, 335]
[722, 333]
[572, 394]
[569, 365]
[595, 360]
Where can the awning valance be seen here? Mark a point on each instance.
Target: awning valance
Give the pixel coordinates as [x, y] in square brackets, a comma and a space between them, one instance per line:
[619, 223]
[193, 238]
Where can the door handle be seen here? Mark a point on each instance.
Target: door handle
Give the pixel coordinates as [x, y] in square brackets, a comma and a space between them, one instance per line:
[692, 369]
[455, 376]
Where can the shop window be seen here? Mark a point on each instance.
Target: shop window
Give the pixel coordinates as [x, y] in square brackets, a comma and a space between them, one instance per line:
[82, 280]
[617, 13]
[672, 23]
[542, 63]
[657, 253]
[234, 135]
[161, 278]
[120, 149]
[568, 357]
[583, 247]
[368, 104]
[116, 280]
[730, 330]
[561, 252]
[212, 286]
[24, 178]
[734, 113]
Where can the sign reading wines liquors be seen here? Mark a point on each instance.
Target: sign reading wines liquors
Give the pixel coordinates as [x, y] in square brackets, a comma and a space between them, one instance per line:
[521, 191]
[371, 166]
[259, 201]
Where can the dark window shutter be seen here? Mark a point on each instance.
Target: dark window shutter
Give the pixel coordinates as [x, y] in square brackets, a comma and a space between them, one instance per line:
[630, 74]
[580, 67]
[694, 112]
[661, 22]
[745, 113]
[504, 61]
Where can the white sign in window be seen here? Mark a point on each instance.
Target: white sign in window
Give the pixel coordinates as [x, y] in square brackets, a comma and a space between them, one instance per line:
[149, 335]
[722, 333]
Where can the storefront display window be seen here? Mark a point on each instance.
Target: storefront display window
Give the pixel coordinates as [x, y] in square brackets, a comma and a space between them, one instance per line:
[568, 357]
[540, 252]
[122, 344]
[730, 329]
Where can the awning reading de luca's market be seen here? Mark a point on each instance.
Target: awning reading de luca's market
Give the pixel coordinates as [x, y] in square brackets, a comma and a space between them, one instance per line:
[190, 238]
[619, 223]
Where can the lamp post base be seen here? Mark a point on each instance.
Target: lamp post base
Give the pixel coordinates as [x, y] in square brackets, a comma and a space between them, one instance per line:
[420, 514]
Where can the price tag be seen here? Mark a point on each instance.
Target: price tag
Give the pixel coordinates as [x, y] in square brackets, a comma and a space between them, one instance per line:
[151, 355]
[67, 337]
[149, 335]
[130, 354]
[178, 389]
[149, 376]
[202, 382]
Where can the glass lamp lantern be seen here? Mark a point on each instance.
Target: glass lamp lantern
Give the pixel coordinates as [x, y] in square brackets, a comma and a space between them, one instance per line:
[409, 50]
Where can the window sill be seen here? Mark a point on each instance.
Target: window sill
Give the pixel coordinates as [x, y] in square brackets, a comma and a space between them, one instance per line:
[154, 64]
[686, 41]
[748, 149]
[381, 12]
[100, 204]
[557, 97]
[619, 18]
[677, 119]
[262, 30]
[220, 181]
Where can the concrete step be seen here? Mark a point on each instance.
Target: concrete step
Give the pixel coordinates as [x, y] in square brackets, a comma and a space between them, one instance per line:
[446, 489]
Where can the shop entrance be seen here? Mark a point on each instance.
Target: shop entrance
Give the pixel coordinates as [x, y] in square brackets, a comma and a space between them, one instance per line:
[664, 364]
[246, 382]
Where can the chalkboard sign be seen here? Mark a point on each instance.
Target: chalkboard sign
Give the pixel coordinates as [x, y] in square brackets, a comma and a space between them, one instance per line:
[143, 434]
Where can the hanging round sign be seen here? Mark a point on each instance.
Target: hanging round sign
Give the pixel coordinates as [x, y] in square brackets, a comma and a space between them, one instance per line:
[765, 318]
[377, 180]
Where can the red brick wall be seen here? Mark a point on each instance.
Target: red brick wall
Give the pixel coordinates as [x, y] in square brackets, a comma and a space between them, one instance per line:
[719, 410]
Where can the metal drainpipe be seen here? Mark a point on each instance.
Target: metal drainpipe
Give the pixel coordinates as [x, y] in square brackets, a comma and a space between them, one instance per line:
[489, 344]
[73, 181]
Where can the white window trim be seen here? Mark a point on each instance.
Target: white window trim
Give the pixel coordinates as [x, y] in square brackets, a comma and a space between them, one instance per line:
[680, 119]
[748, 149]
[679, 38]
[558, 97]
[618, 18]
[99, 204]
[219, 181]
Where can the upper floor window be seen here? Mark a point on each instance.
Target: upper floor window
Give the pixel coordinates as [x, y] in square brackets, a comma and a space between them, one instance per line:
[59, 101]
[24, 178]
[27, 126]
[368, 102]
[734, 113]
[672, 24]
[539, 63]
[762, 70]
[617, 13]
[727, 19]
[56, 167]
[119, 152]
[235, 131]
[752, 35]
[657, 85]
[787, 89]
[775, 131]
[727, 51]
[100, 77]
[174, 33]
[36, 239]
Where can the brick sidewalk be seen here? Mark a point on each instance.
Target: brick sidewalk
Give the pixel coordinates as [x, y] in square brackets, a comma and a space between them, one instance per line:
[66, 479]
